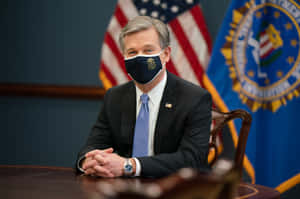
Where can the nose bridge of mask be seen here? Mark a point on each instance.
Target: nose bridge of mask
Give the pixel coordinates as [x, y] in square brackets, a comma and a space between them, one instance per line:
[142, 55]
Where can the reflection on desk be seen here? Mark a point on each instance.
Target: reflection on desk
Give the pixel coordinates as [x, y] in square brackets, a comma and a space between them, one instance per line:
[55, 182]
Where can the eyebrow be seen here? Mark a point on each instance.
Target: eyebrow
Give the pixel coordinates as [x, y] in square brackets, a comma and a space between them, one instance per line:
[149, 45]
[130, 49]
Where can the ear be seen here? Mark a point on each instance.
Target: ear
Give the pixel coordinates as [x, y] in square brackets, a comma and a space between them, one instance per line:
[166, 55]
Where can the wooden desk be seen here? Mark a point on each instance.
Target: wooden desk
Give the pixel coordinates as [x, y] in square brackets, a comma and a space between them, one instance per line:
[54, 182]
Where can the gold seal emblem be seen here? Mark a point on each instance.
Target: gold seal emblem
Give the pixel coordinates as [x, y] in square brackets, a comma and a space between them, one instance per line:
[262, 55]
[151, 64]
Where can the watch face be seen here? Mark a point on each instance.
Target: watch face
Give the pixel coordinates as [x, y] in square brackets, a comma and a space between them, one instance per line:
[128, 168]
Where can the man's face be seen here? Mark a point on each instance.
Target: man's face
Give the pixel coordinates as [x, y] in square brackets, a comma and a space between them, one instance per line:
[145, 42]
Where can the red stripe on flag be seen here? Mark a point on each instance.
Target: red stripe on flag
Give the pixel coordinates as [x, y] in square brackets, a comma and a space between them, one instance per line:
[187, 49]
[170, 66]
[264, 43]
[121, 17]
[266, 54]
[114, 48]
[261, 34]
[110, 77]
[198, 17]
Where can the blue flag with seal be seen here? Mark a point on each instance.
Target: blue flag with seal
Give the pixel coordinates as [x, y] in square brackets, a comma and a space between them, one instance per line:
[255, 65]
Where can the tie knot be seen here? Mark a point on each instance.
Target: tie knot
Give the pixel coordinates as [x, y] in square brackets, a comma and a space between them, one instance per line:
[144, 98]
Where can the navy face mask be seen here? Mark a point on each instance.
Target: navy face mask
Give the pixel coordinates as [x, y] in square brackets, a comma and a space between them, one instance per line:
[143, 68]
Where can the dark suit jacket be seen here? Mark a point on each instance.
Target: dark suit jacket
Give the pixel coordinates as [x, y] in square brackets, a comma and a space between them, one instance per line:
[181, 132]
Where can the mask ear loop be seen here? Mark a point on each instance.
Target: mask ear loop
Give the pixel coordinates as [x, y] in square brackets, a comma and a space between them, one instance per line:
[160, 52]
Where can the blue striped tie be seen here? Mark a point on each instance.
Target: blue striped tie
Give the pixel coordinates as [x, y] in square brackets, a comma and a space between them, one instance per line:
[140, 141]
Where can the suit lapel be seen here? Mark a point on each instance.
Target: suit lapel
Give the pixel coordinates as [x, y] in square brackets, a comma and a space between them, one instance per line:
[166, 109]
[128, 115]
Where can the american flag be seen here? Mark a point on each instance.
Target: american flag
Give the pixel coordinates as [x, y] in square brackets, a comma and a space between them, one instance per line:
[190, 40]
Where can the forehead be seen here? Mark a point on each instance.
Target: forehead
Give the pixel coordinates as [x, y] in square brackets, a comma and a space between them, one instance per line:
[142, 38]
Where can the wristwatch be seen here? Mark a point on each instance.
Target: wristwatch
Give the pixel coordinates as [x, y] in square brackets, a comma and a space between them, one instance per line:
[128, 167]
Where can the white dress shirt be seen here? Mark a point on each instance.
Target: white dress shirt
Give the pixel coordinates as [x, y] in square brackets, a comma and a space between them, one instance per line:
[155, 96]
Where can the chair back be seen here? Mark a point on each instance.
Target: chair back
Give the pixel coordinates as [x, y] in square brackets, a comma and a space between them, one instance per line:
[220, 120]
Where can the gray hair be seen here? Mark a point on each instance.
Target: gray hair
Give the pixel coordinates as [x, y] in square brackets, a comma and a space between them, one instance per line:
[140, 23]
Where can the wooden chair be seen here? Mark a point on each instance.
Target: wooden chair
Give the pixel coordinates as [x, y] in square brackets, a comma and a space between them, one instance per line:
[221, 183]
[221, 119]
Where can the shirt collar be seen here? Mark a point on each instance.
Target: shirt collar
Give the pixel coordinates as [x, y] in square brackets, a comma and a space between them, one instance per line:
[155, 94]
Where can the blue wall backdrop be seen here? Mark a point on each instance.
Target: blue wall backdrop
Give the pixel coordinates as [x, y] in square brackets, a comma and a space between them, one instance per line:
[56, 42]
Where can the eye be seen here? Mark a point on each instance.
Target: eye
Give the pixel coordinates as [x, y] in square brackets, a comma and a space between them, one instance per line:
[131, 53]
[148, 51]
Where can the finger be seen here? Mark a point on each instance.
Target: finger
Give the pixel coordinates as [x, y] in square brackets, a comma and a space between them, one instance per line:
[89, 164]
[90, 171]
[101, 171]
[92, 153]
[100, 159]
[109, 150]
[97, 151]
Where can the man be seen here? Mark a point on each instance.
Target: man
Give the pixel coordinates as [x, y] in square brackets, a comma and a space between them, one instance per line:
[151, 126]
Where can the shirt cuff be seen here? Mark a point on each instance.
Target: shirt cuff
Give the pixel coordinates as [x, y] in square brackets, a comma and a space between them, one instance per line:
[138, 168]
[79, 163]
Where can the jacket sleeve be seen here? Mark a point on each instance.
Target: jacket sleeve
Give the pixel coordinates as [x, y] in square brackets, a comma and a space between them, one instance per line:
[100, 136]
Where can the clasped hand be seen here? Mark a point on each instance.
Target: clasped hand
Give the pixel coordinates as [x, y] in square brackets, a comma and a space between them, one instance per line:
[103, 163]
